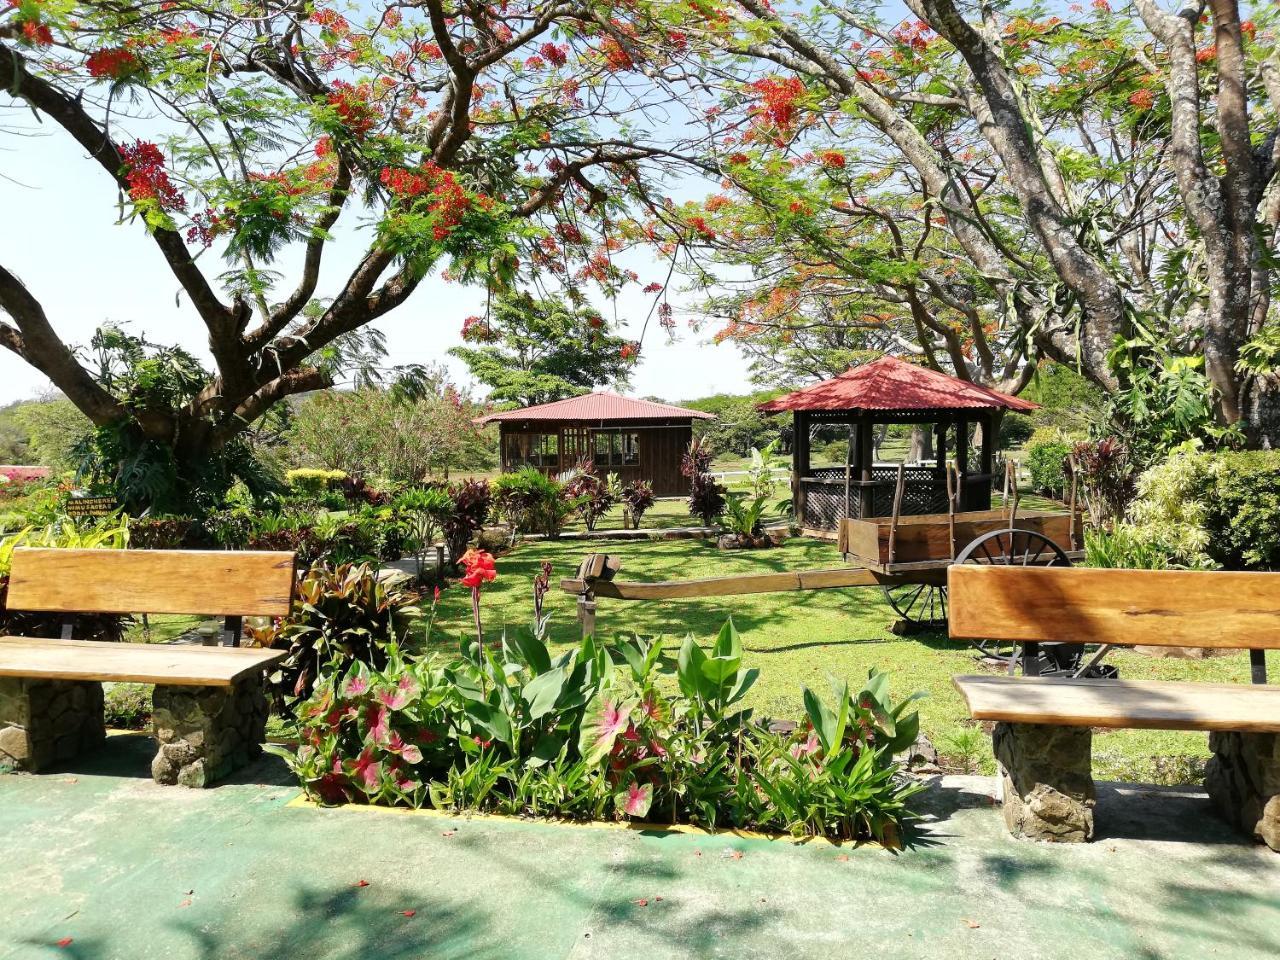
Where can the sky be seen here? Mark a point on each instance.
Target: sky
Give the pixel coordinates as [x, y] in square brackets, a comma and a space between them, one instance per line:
[58, 234]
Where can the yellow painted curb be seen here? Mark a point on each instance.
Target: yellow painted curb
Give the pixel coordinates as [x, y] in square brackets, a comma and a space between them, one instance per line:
[633, 826]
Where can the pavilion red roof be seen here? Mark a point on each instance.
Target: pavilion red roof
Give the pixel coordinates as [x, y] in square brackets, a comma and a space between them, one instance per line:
[893, 384]
[597, 407]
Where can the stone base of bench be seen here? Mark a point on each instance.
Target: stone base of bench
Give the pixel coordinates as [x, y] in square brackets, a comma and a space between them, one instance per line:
[206, 733]
[1243, 781]
[44, 722]
[1047, 781]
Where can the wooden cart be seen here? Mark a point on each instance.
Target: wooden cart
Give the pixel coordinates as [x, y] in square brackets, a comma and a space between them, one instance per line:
[906, 556]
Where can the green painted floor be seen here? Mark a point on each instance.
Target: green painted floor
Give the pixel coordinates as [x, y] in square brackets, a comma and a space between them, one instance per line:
[126, 869]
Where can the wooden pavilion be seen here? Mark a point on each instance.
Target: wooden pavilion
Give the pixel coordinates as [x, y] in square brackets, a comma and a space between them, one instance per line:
[636, 439]
[892, 391]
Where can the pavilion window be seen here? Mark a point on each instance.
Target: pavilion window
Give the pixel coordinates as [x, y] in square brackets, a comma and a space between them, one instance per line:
[533, 450]
[615, 448]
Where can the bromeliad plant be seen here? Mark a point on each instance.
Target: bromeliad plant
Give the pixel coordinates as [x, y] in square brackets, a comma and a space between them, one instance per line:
[637, 498]
[343, 615]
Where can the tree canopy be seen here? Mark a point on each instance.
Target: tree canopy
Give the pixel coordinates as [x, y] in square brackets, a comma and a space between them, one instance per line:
[484, 143]
[531, 350]
[980, 187]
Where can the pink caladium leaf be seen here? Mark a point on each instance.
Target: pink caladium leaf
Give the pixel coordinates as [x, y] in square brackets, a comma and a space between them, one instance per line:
[379, 724]
[366, 770]
[408, 752]
[393, 698]
[634, 800]
[603, 722]
[408, 686]
[355, 687]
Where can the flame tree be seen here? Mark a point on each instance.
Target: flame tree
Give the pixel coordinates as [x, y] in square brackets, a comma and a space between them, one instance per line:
[499, 144]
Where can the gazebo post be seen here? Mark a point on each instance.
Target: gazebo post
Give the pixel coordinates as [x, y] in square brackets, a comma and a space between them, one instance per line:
[989, 431]
[962, 460]
[866, 459]
[799, 461]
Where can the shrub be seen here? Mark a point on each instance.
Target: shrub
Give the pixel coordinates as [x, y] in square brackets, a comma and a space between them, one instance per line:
[1171, 511]
[127, 706]
[294, 531]
[1046, 460]
[1124, 548]
[1106, 477]
[166, 533]
[1243, 512]
[592, 495]
[742, 517]
[355, 539]
[706, 495]
[342, 615]
[1211, 509]
[531, 502]
[356, 490]
[637, 497]
[314, 482]
[1015, 430]
[423, 510]
[471, 503]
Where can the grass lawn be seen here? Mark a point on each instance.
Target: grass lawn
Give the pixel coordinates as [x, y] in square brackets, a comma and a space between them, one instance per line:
[801, 638]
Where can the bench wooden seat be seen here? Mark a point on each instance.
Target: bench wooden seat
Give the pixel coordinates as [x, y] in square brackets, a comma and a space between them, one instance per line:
[209, 706]
[1117, 704]
[1043, 732]
[164, 663]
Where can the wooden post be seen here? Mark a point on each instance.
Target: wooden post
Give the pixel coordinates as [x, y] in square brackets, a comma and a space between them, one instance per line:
[587, 613]
[990, 433]
[848, 474]
[866, 457]
[1012, 468]
[962, 460]
[897, 510]
[1071, 463]
[951, 511]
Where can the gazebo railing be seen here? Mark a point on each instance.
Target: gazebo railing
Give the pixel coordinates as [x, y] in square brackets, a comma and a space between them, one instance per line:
[824, 503]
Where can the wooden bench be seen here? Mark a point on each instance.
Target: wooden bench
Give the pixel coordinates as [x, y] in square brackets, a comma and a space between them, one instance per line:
[1043, 732]
[210, 708]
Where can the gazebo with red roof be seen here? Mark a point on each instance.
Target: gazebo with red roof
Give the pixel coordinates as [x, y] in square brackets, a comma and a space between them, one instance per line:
[889, 391]
[636, 439]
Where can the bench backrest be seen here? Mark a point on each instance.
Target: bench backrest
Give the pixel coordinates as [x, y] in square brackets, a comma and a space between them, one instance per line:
[214, 582]
[1166, 608]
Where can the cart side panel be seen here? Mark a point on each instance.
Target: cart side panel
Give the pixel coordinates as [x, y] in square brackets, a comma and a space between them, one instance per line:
[861, 540]
[929, 538]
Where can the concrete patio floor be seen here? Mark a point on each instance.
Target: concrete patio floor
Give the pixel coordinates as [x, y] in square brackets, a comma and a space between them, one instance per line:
[99, 854]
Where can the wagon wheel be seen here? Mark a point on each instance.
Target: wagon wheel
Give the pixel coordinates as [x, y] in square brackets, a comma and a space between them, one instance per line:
[1011, 547]
[918, 604]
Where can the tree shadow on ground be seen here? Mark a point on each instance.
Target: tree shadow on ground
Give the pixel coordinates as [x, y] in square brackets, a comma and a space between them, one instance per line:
[350, 923]
[668, 922]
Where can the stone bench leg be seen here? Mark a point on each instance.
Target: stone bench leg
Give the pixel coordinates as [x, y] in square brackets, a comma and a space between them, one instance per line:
[43, 722]
[1047, 780]
[206, 733]
[1243, 781]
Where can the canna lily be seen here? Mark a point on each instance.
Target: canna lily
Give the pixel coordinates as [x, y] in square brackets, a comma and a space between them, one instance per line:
[480, 569]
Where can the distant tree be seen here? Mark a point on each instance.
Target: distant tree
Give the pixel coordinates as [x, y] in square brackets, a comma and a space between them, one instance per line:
[53, 428]
[1067, 400]
[373, 432]
[533, 350]
[738, 426]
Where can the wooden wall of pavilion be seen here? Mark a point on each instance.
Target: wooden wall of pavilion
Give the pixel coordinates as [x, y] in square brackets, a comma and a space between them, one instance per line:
[660, 445]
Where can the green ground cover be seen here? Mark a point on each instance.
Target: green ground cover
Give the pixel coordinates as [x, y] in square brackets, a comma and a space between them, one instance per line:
[800, 638]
